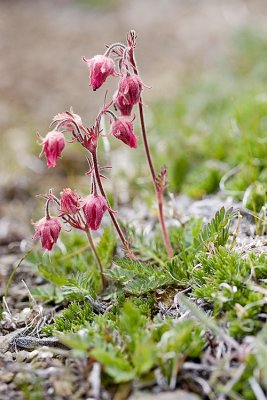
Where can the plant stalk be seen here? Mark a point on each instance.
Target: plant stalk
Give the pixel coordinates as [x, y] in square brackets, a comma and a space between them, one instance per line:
[98, 261]
[159, 191]
[112, 216]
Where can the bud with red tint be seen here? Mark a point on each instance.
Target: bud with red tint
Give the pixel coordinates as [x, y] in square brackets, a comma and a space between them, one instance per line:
[94, 207]
[90, 140]
[121, 103]
[122, 129]
[130, 88]
[100, 68]
[47, 229]
[69, 202]
[53, 145]
[67, 120]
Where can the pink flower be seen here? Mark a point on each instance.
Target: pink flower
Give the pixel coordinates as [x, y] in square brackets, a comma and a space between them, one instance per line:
[130, 88]
[47, 229]
[53, 144]
[121, 103]
[100, 68]
[67, 120]
[122, 129]
[94, 207]
[69, 202]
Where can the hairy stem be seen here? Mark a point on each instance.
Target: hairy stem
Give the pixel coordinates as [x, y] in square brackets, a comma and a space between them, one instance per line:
[163, 225]
[98, 261]
[112, 216]
[159, 191]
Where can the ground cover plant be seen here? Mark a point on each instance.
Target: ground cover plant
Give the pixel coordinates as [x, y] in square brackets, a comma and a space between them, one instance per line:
[184, 311]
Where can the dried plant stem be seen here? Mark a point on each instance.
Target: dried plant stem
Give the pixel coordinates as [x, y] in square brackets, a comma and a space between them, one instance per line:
[16, 268]
[98, 261]
[112, 216]
[159, 191]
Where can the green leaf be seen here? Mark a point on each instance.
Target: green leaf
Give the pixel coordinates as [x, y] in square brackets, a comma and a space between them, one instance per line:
[75, 317]
[80, 286]
[144, 356]
[217, 231]
[52, 274]
[47, 293]
[106, 247]
[139, 278]
[131, 320]
[115, 366]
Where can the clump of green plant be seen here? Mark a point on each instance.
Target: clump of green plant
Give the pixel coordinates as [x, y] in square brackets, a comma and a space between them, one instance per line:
[130, 346]
[143, 328]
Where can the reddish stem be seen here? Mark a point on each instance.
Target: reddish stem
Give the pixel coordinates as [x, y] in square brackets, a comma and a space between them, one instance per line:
[112, 216]
[159, 191]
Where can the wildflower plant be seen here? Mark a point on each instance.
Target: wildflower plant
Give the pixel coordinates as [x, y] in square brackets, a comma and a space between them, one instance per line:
[86, 214]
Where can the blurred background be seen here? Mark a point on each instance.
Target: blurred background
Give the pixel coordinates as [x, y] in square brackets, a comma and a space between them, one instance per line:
[206, 61]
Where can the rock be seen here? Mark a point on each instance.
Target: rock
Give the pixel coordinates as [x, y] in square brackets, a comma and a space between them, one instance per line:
[8, 356]
[43, 354]
[23, 377]
[176, 395]
[33, 354]
[7, 377]
[3, 388]
[6, 341]
[22, 356]
[63, 388]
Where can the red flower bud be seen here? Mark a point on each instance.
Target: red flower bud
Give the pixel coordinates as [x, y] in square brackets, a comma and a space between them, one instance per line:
[121, 103]
[69, 202]
[90, 140]
[130, 87]
[47, 229]
[53, 144]
[100, 68]
[94, 207]
[122, 129]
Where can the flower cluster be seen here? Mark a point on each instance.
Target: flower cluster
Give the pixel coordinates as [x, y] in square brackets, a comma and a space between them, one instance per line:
[80, 213]
[127, 95]
[86, 213]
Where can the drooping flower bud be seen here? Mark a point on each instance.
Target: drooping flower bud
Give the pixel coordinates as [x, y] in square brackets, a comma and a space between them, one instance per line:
[130, 87]
[53, 144]
[94, 207]
[122, 129]
[47, 229]
[69, 202]
[121, 103]
[67, 120]
[101, 67]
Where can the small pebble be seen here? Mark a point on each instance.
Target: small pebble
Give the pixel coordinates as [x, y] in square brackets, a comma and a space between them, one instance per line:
[45, 355]
[7, 377]
[3, 387]
[33, 354]
[23, 377]
[63, 388]
[22, 356]
[8, 356]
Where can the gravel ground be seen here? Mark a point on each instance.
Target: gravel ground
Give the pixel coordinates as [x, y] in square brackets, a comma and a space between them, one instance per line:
[26, 358]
